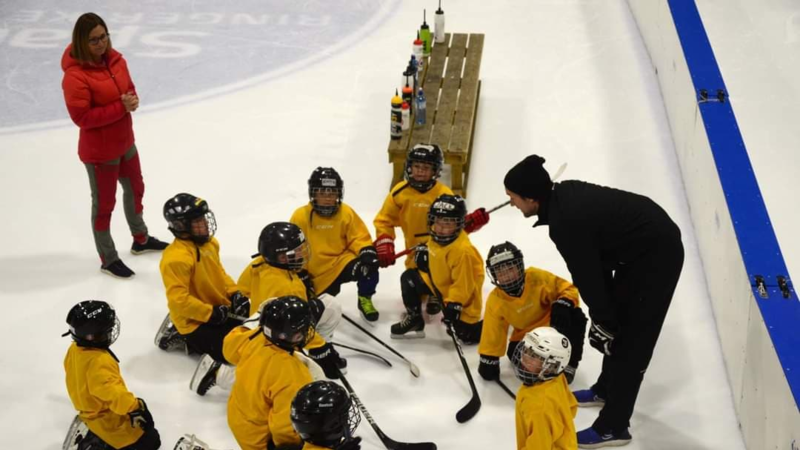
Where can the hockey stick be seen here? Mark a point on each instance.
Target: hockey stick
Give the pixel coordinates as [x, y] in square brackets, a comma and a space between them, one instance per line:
[471, 408]
[406, 251]
[365, 352]
[411, 366]
[505, 388]
[388, 442]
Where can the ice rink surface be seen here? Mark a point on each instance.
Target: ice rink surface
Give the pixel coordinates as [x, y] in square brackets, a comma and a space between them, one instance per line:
[240, 102]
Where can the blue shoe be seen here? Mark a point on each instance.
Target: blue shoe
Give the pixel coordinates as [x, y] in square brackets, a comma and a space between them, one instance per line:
[587, 397]
[589, 438]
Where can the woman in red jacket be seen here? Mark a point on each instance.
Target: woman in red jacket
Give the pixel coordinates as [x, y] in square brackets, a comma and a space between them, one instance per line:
[100, 97]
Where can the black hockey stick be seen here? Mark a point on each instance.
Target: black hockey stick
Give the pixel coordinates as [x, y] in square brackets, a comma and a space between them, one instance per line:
[471, 408]
[411, 366]
[365, 352]
[387, 441]
[505, 388]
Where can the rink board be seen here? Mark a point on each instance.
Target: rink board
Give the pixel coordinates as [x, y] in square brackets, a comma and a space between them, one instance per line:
[735, 236]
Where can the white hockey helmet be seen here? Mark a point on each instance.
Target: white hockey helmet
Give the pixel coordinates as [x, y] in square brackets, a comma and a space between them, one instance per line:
[541, 355]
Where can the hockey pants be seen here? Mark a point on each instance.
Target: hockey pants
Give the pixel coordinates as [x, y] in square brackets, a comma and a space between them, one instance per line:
[366, 283]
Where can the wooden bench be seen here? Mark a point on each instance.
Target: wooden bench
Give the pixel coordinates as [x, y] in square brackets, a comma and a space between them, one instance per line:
[452, 106]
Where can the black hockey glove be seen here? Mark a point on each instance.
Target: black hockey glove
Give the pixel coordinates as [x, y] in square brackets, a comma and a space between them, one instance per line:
[350, 444]
[240, 304]
[305, 277]
[489, 367]
[569, 373]
[561, 315]
[601, 339]
[328, 358]
[367, 262]
[317, 308]
[421, 258]
[219, 314]
[451, 313]
[141, 416]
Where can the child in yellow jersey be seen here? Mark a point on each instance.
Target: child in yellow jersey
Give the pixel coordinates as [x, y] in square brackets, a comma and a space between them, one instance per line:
[341, 247]
[545, 406]
[200, 294]
[114, 416]
[269, 372]
[456, 274]
[407, 207]
[325, 417]
[279, 270]
[525, 299]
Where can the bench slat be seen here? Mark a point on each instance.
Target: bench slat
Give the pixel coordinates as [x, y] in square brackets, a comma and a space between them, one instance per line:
[443, 123]
[461, 140]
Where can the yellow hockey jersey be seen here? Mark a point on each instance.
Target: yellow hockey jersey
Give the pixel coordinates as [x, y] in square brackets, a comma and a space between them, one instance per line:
[334, 242]
[545, 413]
[407, 208]
[524, 313]
[267, 379]
[457, 273]
[100, 396]
[260, 282]
[195, 282]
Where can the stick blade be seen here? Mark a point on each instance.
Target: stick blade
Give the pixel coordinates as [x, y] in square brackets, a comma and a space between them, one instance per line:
[414, 369]
[412, 446]
[469, 411]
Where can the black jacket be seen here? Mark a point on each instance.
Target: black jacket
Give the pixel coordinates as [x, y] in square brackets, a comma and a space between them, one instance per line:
[597, 230]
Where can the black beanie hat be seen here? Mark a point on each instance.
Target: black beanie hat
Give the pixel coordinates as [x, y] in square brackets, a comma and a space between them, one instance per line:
[529, 178]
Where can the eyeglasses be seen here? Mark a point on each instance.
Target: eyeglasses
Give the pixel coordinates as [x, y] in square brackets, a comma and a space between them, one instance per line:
[102, 38]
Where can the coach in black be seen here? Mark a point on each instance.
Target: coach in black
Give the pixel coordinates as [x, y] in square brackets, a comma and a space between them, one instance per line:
[625, 256]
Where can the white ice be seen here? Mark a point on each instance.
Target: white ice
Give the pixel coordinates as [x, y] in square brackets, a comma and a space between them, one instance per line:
[569, 80]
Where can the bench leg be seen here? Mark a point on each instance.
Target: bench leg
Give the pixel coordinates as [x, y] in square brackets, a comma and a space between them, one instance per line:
[457, 173]
[398, 171]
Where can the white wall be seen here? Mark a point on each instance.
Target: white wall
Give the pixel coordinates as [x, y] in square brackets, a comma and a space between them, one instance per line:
[768, 414]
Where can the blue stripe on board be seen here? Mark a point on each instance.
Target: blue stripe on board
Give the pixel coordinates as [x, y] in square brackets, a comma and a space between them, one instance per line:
[757, 241]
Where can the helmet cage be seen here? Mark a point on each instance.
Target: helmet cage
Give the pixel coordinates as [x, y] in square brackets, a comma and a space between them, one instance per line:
[329, 210]
[445, 239]
[502, 268]
[425, 154]
[182, 228]
[535, 350]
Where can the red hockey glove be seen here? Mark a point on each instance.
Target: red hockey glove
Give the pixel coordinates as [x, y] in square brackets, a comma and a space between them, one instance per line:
[384, 245]
[475, 220]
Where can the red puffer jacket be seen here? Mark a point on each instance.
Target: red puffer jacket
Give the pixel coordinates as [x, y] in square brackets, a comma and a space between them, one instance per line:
[92, 93]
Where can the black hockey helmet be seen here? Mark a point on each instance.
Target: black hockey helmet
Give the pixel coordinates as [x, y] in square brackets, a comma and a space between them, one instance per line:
[286, 322]
[284, 239]
[93, 323]
[325, 180]
[181, 209]
[506, 268]
[324, 414]
[449, 209]
[426, 154]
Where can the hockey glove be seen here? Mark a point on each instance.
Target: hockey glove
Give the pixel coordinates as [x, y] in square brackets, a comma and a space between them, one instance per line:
[489, 367]
[384, 245]
[305, 277]
[350, 444]
[451, 313]
[317, 308]
[569, 373]
[601, 339]
[328, 358]
[219, 314]
[240, 304]
[561, 315]
[366, 263]
[421, 258]
[475, 220]
[141, 416]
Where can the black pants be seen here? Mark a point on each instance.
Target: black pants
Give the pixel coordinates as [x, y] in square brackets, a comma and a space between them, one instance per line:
[367, 284]
[414, 288]
[576, 335]
[642, 292]
[150, 440]
[208, 338]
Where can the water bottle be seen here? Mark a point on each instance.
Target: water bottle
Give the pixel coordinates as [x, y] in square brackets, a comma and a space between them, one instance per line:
[405, 116]
[425, 35]
[396, 124]
[421, 107]
[438, 25]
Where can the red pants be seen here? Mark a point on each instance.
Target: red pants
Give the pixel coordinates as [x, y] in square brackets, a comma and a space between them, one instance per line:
[103, 178]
